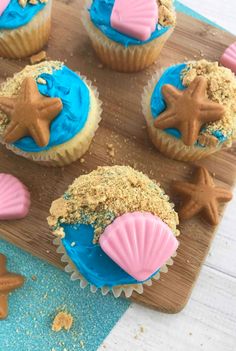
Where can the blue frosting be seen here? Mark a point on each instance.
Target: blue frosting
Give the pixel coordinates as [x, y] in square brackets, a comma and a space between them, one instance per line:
[172, 75]
[90, 260]
[100, 14]
[74, 93]
[16, 16]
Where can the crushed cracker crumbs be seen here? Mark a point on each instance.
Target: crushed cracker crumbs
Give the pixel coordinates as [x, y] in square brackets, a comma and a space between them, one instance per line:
[167, 16]
[63, 320]
[41, 56]
[106, 193]
[221, 89]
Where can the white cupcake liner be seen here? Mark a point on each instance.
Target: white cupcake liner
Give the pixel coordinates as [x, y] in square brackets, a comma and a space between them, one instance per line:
[166, 144]
[75, 148]
[128, 290]
[28, 39]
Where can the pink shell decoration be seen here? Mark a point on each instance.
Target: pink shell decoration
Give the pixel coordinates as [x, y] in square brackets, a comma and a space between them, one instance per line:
[228, 58]
[3, 5]
[14, 198]
[136, 18]
[140, 243]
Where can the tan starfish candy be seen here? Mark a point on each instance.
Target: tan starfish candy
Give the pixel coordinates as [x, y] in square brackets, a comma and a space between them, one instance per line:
[202, 196]
[188, 110]
[8, 283]
[30, 114]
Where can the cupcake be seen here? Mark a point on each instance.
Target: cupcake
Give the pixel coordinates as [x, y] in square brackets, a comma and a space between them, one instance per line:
[116, 230]
[24, 27]
[190, 109]
[129, 36]
[45, 119]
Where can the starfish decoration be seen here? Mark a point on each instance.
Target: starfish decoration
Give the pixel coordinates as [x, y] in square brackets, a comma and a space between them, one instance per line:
[8, 283]
[30, 114]
[202, 196]
[188, 110]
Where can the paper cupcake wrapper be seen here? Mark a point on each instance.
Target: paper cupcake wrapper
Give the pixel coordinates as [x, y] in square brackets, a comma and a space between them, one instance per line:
[75, 148]
[28, 39]
[116, 56]
[128, 290]
[170, 146]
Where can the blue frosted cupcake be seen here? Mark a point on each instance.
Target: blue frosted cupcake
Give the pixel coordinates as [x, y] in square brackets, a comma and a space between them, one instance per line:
[189, 129]
[24, 27]
[129, 37]
[116, 229]
[59, 120]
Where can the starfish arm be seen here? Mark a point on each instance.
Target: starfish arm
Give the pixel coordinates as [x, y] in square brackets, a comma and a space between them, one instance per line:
[165, 120]
[40, 133]
[197, 87]
[3, 306]
[189, 209]
[14, 132]
[170, 93]
[2, 264]
[184, 188]
[204, 177]
[211, 111]
[211, 212]
[223, 195]
[7, 105]
[190, 131]
[49, 108]
[29, 90]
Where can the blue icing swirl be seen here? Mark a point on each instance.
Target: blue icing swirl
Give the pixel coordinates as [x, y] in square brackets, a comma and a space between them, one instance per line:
[100, 14]
[172, 75]
[90, 260]
[16, 16]
[74, 93]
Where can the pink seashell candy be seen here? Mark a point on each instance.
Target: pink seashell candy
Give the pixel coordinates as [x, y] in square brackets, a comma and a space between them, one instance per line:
[140, 243]
[14, 198]
[3, 5]
[228, 58]
[136, 18]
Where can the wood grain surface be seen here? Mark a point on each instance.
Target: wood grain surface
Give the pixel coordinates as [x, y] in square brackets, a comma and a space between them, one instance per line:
[123, 126]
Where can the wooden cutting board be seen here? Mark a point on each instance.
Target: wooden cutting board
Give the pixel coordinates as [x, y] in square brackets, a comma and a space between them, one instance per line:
[123, 126]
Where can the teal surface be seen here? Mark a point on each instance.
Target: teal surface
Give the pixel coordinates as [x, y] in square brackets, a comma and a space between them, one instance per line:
[33, 307]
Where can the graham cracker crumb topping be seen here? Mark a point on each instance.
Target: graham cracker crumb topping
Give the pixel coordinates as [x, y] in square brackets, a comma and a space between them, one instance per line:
[167, 16]
[63, 320]
[11, 86]
[108, 192]
[221, 89]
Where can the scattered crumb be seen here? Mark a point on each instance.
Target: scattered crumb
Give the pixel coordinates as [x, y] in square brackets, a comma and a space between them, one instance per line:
[82, 160]
[82, 344]
[111, 150]
[41, 56]
[34, 277]
[22, 3]
[47, 251]
[62, 320]
[100, 65]
[33, 2]
[41, 81]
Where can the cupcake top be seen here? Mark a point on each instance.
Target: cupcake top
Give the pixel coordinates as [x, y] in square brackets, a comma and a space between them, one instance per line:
[95, 201]
[52, 81]
[20, 12]
[220, 89]
[135, 23]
